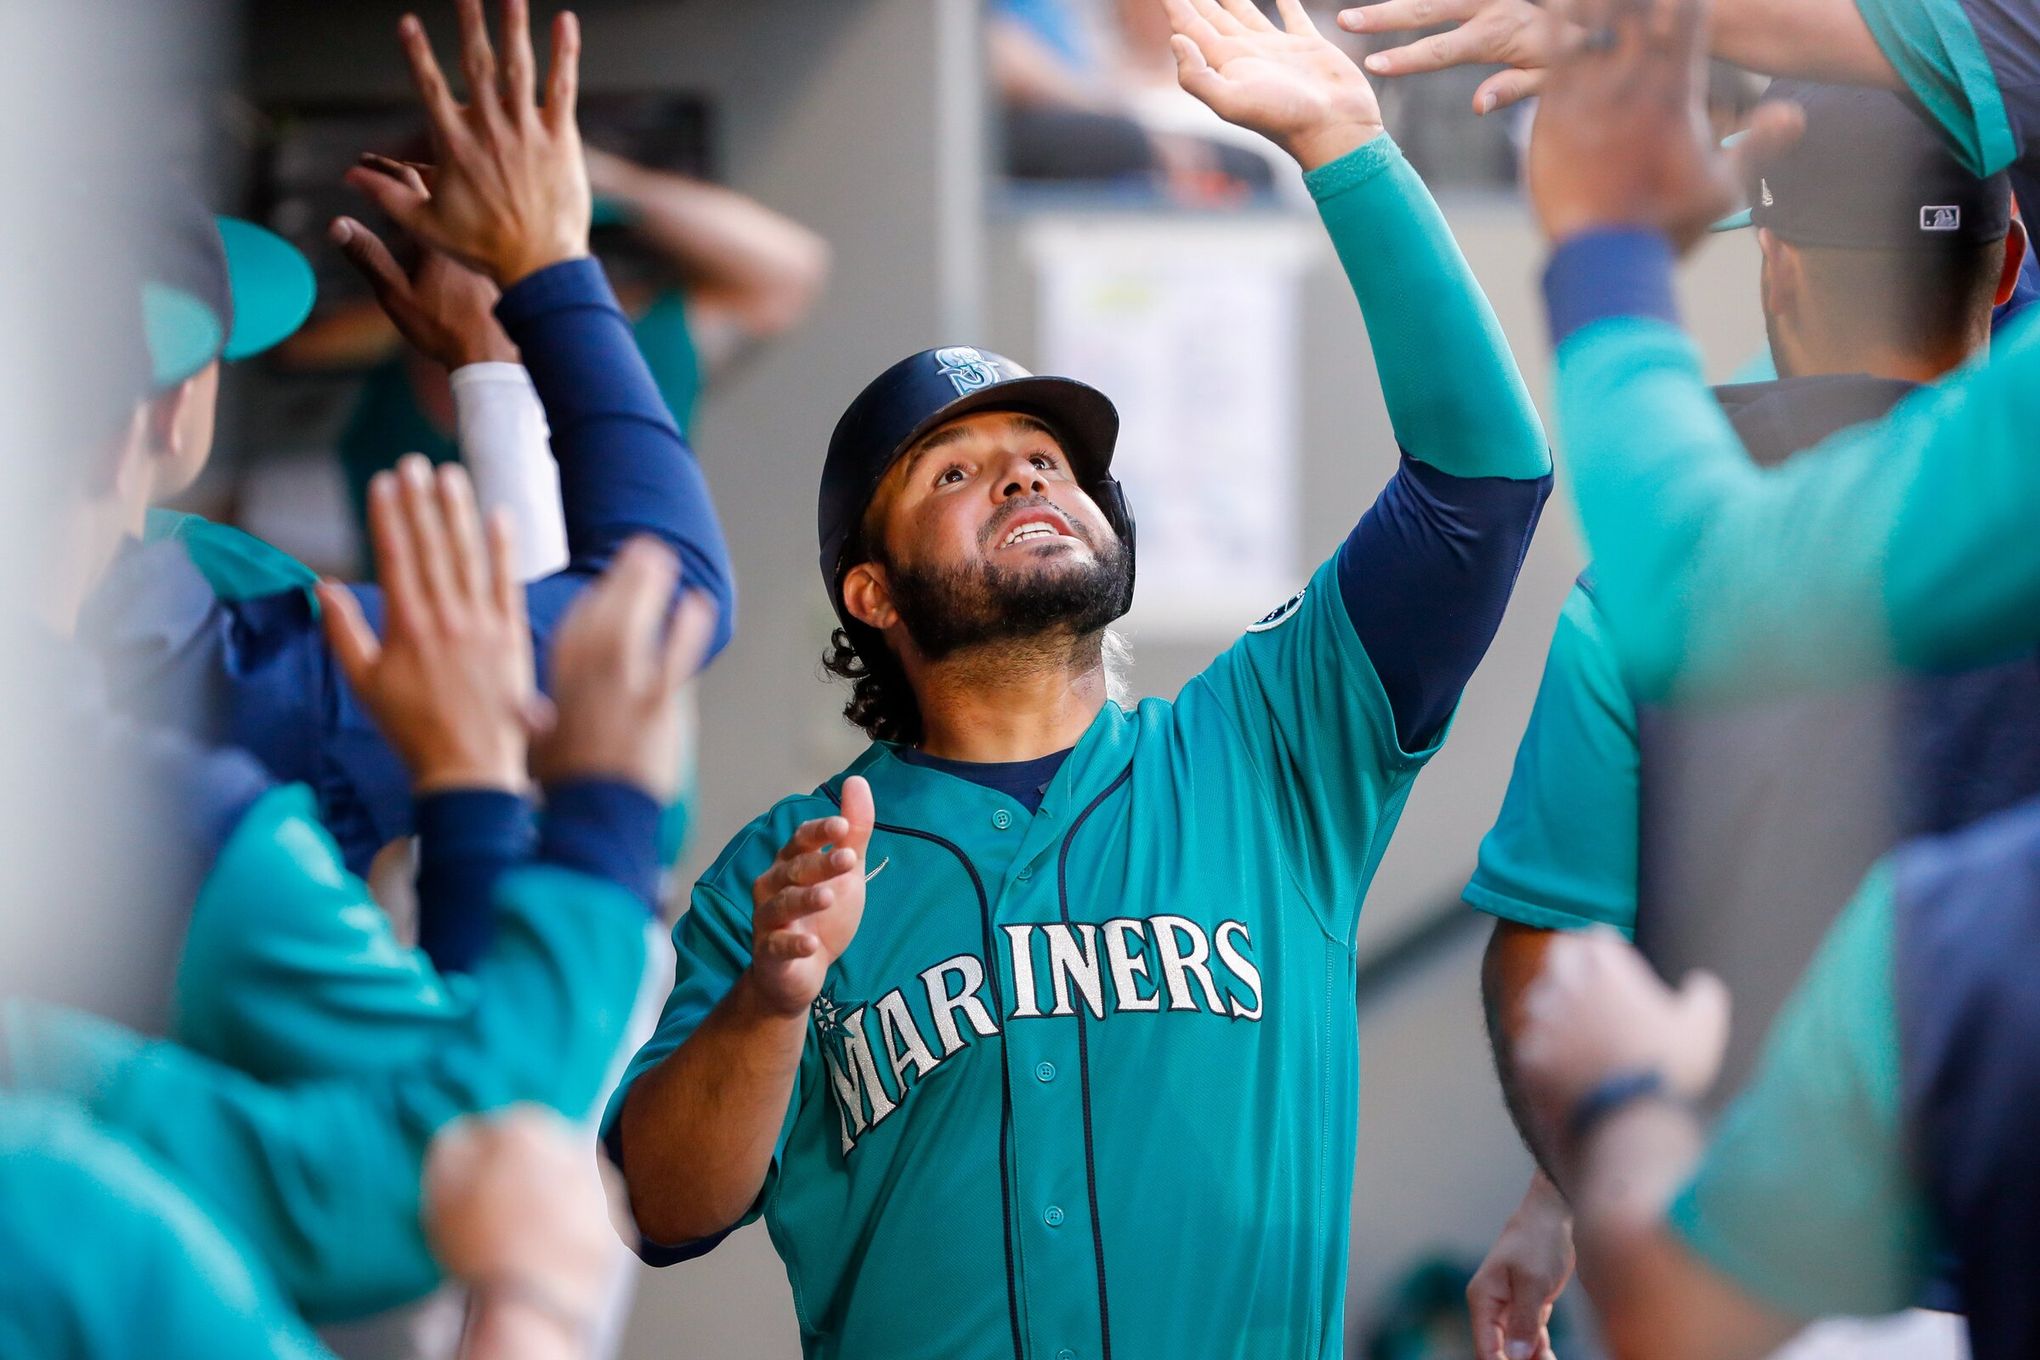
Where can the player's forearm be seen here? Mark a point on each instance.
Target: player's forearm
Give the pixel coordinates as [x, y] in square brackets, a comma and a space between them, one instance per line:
[1823, 40]
[698, 1131]
[1454, 395]
[735, 254]
[1515, 954]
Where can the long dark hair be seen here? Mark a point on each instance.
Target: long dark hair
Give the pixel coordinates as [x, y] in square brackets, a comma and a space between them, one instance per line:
[881, 701]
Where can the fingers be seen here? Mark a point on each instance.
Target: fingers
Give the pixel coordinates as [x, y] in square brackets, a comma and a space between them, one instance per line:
[438, 587]
[1295, 18]
[1506, 88]
[442, 113]
[639, 585]
[1522, 1321]
[520, 67]
[407, 173]
[399, 200]
[785, 946]
[347, 632]
[1485, 1295]
[501, 532]
[859, 811]
[1249, 15]
[372, 260]
[1438, 52]
[478, 61]
[396, 558]
[1221, 20]
[1395, 16]
[472, 573]
[1774, 129]
[1704, 999]
[1194, 74]
[563, 82]
[688, 633]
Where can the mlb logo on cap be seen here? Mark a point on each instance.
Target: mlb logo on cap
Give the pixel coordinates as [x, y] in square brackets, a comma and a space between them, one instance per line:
[1947, 217]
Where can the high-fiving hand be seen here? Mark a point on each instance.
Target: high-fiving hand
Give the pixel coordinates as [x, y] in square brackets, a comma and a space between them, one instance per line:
[443, 308]
[510, 194]
[1290, 84]
[805, 908]
[451, 680]
[1521, 35]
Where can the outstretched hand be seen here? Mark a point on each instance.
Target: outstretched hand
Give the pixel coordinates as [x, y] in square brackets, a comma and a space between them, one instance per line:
[511, 191]
[444, 309]
[805, 909]
[1521, 35]
[1290, 84]
[451, 681]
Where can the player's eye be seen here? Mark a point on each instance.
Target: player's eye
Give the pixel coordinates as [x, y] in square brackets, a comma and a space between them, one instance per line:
[950, 475]
[1044, 461]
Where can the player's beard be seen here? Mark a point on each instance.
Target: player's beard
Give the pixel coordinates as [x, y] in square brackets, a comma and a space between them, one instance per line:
[946, 610]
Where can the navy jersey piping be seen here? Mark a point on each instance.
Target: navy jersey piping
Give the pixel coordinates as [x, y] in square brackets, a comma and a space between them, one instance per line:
[1062, 894]
[1005, 1073]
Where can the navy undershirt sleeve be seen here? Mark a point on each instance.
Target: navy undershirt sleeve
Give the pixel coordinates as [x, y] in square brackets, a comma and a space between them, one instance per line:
[1611, 271]
[467, 838]
[1425, 576]
[603, 827]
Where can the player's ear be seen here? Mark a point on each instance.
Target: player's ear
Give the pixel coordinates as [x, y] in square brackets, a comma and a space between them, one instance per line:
[2015, 258]
[868, 597]
[164, 417]
[1783, 277]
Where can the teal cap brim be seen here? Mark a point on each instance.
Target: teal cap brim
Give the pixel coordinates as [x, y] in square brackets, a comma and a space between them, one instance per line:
[182, 332]
[272, 285]
[1733, 222]
[608, 212]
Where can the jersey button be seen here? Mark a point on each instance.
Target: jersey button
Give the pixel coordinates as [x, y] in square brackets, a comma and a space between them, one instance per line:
[1024, 875]
[1002, 819]
[1065, 1354]
[1044, 1071]
[1052, 1216]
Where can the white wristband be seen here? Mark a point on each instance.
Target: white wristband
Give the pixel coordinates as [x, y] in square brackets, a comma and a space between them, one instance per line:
[506, 445]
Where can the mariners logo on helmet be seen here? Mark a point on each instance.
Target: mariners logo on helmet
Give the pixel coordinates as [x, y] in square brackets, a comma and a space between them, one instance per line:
[967, 369]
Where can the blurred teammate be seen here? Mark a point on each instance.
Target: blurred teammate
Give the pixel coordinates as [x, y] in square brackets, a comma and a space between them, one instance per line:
[1883, 259]
[1104, 997]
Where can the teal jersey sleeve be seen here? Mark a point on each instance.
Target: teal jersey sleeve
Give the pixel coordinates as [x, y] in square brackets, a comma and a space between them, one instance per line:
[237, 565]
[320, 1179]
[1942, 50]
[1562, 854]
[1471, 417]
[665, 336]
[1906, 542]
[1299, 699]
[291, 970]
[106, 1259]
[1804, 1197]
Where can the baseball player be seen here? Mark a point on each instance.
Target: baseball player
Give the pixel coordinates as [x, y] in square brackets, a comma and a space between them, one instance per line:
[1866, 295]
[1032, 1033]
[254, 672]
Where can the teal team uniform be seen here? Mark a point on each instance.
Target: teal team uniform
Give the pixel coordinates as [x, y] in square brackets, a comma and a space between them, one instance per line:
[1085, 1084]
[160, 1278]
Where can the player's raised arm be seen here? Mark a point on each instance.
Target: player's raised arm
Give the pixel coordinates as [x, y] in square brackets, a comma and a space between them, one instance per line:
[1454, 523]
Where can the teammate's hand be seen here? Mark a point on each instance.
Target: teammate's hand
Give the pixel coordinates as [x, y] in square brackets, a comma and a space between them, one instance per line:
[806, 907]
[1510, 1297]
[510, 194]
[1290, 84]
[1622, 137]
[1597, 1009]
[446, 310]
[1519, 34]
[516, 1207]
[618, 663]
[450, 681]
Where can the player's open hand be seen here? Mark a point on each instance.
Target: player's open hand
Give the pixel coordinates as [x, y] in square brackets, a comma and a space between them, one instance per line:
[1510, 1298]
[1522, 35]
[510, 194]
[1622, 137]
[1290, 84]
[805, 908]
[1597, 1011]
[444, 309]
[619, 661]
[451, 681]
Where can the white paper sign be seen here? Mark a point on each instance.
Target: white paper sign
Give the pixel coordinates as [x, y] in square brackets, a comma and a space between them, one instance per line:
[1190, 327]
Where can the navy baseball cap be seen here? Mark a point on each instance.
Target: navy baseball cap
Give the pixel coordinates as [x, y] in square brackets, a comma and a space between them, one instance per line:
[217, 288]
[930, 389]
[1870, 173]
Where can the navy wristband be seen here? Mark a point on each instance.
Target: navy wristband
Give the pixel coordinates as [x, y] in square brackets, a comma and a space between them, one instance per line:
[1611, 1094]
[467, 839]
[607, 828]
[1614, 271]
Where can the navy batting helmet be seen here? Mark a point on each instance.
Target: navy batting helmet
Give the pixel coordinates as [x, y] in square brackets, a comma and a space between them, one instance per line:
[932, 388]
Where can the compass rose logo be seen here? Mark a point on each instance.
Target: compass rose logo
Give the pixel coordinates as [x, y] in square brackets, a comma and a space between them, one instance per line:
[828, 1013]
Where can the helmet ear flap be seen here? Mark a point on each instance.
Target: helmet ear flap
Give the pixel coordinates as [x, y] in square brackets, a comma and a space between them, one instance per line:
[1111, 499]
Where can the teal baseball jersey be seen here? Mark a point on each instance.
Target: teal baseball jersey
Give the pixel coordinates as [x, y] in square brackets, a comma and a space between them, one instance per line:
[106, 1259]
[1563, 852]
[1085, 1084]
